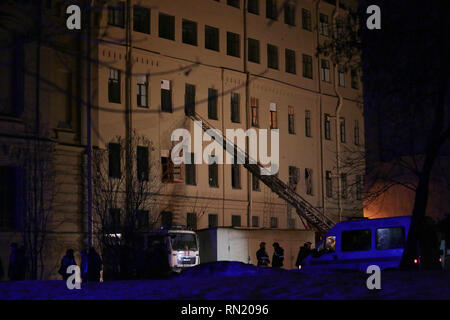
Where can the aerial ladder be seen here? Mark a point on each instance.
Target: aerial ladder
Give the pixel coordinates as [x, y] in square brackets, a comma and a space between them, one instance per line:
[303, 208]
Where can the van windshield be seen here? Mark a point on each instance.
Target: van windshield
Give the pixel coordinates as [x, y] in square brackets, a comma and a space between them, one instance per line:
[183, 241]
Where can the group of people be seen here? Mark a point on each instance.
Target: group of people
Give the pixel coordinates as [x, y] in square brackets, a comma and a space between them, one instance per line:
[90, 268]
[278, 255]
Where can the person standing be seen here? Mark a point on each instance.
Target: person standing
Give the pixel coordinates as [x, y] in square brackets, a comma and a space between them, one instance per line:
[95, 265]
[67, 261]
[304, 251]
[262, 256]
[278, 256]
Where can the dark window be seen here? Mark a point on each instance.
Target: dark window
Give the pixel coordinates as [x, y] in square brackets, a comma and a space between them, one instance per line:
[291, 120]
[166, 219]
[190, 171]
[253, 50]
[167, 167]
[235, 107]
[293, 177]
[271, 9]
[166, 26]
[390, 238]
[272, 56]
[255, 221]
[273, 222]
[255, 183]
[342, 130]
[354, 75]
[307, 66]
[142, 220]
[290, 61]
[189, 100]
[306, 20]
[8, 196]
[116, 15]
[254, 106]
[235, 221]
[344, 185]
[113, 221]
[233, 44]
[253, 6]
[341, 76]
[191, 220]
[356, 133]
[329, 184]
[212, 103]
[323, 25]
[211, 38]
[189, 32]
[142, 163]
[114, 86]
[356, 240]
[142, 92]
[213, 174]
[233, 3]
[289, 14]
[236, 176]
[327, 125]
[114, 160]
[307, 123]
[325, 70]
[141, 19]
[213, 220]
[166, 96]
[309, 181]
[358, 187]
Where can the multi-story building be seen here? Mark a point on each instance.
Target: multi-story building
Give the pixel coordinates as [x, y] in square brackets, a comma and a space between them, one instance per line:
[240, 65]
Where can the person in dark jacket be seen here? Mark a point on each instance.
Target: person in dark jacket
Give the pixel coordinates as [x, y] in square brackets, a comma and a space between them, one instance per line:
[262, 256]
[95, 265]
[13, 263]
[305, 251]
[84, 265]
[66, 261]
[278, 256]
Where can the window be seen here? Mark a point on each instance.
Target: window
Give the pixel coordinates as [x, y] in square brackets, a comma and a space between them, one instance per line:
[116, 15]
[112, 221]
[289, 14]
[255, 183]
[213, 174]
[293, 177]
[167, 167]
[8, 196]
[142, 92]
[235, 108]
[329, 184]
[307, 123]
[254, 105]
[166, 219]
[306, 20]
[356, 240]
[290, 61]
[114, 86]
[343, 185]
[272, 56]
[142, 220]
[255, 221]
[190, 170]
[308, 181]
[356, 133]
[327, 125]
[253, 50]
[212, 103]
[114, 160]
[233, 3]
[341, 76]
[142, 163]
[291, 120]
[233, 44]
[323, 25]
[166, 26]
[166, 96]
[211, 38]
[141, 19]
[189, 33]
[273, 222]
[291, 223]
[191, 220]
[307, 66]
[236, 175]
[358, 187]
[271, 9]
[213, 220]
[325, 70]
[235, 221]
[273, 116]
[354, 75]
[253, 6]
[342, 130]
[390, 238]
[189, 100]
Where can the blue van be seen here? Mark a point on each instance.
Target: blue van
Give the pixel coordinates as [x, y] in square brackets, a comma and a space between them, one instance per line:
[359, 244]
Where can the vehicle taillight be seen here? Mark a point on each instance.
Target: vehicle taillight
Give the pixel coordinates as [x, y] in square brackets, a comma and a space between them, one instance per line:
[416, 261]
[440, 259]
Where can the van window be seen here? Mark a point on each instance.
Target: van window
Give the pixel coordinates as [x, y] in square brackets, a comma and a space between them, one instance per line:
[356, 240]
[183, 241]
[390, 238]
[327, 246]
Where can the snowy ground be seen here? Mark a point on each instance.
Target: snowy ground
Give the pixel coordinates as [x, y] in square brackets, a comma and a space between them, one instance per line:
[234, 280]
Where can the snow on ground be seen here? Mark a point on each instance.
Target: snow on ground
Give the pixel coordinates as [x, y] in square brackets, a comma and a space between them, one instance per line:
[235, 280]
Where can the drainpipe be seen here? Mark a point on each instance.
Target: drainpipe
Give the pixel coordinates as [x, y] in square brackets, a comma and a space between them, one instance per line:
[88, 125]
[128, 106]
